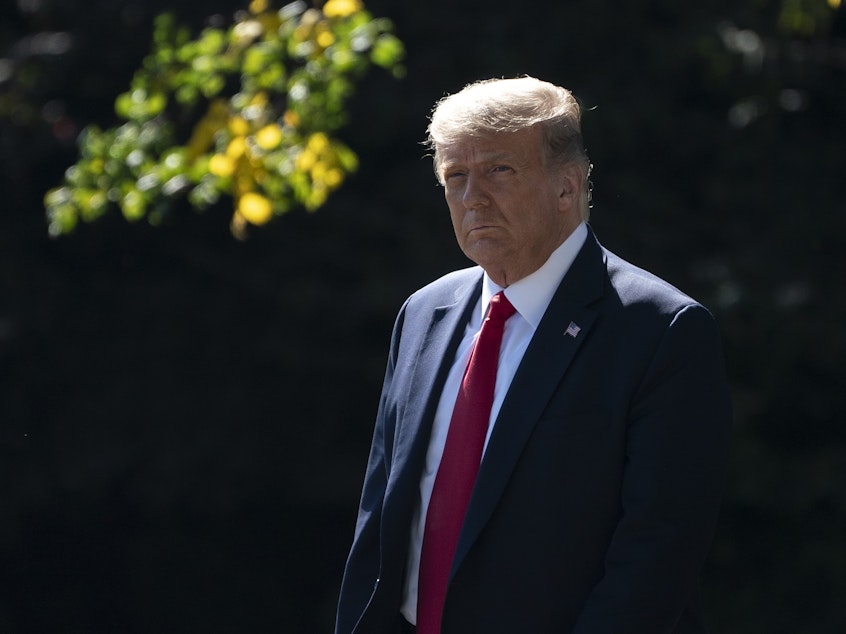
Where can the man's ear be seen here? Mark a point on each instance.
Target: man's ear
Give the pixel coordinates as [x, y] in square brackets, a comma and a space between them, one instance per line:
[571, 179]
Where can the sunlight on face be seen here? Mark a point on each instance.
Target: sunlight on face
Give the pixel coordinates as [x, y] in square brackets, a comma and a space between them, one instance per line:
[509, 212]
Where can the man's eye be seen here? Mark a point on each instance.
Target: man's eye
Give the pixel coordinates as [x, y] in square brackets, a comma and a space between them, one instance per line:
[453, 175]
[501, 168]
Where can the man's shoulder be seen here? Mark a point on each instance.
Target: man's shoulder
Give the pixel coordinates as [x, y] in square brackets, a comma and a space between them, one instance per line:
[635, 285]
[448, 288]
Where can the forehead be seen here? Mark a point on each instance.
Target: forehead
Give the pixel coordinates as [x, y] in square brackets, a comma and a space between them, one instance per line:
[523, 145]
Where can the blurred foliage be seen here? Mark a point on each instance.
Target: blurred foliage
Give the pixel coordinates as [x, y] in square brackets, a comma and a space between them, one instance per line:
[263, 96]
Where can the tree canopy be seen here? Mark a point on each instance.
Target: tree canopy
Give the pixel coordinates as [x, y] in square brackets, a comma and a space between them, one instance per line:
[258, 99]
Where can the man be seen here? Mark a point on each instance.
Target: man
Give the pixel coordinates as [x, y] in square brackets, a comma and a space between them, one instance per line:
[595, 481]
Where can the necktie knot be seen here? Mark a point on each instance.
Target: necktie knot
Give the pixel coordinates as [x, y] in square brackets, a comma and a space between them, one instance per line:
[500, 309]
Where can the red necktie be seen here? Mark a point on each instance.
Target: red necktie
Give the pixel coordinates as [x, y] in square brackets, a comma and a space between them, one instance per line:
[459, 466]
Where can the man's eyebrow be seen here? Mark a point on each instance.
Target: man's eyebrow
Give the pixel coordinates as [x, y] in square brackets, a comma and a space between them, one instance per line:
[486, 157]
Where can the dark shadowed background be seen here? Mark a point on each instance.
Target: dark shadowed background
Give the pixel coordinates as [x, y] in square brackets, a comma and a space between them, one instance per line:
[185, 418]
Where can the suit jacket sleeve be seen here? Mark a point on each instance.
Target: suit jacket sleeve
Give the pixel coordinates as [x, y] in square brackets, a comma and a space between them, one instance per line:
[361, 574]
[676, 455]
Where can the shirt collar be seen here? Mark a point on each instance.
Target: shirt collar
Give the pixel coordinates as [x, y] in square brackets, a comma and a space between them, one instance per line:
[532, 294]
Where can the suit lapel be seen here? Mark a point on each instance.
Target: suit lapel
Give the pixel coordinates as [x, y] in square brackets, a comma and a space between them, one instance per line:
[543, 365]
[431, 366]
[434, 359]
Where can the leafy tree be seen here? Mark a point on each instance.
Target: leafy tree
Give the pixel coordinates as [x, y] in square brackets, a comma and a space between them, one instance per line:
[261, 99]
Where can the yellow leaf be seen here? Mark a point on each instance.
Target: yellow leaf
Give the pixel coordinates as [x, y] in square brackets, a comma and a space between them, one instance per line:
[236, 148]
[333, 178]
[255, 208]
[318, 142]
[269, 137]
[341, 8]
[238, 126]
[318, 171]
[221, 165]
[258, 6]
[305, 160]
[325, 39]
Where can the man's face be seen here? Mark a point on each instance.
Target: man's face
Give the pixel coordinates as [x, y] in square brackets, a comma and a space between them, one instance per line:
[509, 212]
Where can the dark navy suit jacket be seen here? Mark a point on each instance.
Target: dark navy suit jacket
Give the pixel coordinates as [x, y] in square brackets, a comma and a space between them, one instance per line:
[597, 497]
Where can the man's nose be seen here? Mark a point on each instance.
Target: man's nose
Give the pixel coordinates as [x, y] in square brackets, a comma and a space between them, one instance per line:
[475, 193]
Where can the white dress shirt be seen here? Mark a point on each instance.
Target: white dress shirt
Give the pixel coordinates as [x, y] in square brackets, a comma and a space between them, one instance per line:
[530, 296]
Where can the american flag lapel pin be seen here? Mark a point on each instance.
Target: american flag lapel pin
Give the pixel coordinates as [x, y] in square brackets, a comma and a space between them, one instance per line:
[572, 330]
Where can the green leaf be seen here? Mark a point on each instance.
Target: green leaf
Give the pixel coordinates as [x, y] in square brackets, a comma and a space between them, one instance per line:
[387, 51]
